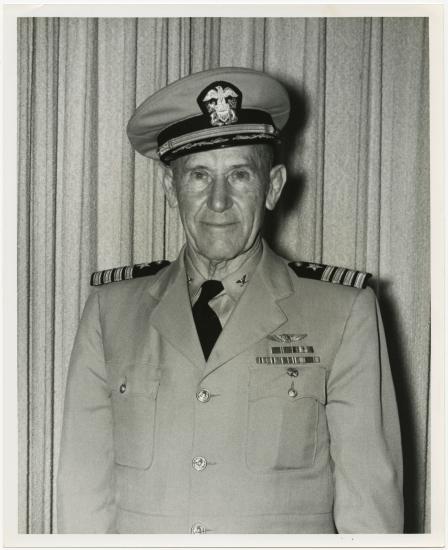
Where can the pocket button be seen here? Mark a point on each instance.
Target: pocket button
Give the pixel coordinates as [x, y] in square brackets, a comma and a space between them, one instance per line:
[122, 388]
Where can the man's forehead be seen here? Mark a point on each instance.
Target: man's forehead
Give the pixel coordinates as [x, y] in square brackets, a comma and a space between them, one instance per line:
[246, 155]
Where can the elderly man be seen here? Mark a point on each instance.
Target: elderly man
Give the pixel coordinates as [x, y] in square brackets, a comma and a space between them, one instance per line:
[229, 391]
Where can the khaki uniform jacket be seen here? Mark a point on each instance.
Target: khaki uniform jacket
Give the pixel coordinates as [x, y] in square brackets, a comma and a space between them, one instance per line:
[327, 460]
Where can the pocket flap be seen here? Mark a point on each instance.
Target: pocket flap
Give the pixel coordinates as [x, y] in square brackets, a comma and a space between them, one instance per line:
[269, 381]
[134, 379]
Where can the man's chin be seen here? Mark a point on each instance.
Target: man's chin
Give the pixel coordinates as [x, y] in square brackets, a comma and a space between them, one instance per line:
[219, 253]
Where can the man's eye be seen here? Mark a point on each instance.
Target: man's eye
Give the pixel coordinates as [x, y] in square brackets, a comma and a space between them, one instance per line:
[199, 175]
[240, 175]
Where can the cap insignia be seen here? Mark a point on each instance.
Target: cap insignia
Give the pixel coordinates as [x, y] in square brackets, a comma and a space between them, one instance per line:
[221, 101]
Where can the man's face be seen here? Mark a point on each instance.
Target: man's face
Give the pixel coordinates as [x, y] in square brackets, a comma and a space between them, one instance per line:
[221, 195]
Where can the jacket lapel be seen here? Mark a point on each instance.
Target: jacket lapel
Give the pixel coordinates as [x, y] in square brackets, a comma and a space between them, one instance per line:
[258, 312]
[172, 316]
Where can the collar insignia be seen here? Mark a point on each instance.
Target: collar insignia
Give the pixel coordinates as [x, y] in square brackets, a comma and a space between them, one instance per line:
[221, 101]
[243, 281]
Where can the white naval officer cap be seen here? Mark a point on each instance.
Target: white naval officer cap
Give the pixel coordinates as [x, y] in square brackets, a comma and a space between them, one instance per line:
[207, 110]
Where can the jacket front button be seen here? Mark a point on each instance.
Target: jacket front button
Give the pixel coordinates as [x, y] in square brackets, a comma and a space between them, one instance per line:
[199, 463]
[122, 388]
[203, 396]
[197, 529]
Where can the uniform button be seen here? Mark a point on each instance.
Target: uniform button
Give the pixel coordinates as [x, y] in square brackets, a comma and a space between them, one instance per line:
[122, 388]
[197, 529]
[203, 396]
[199, 463]
[292, 392]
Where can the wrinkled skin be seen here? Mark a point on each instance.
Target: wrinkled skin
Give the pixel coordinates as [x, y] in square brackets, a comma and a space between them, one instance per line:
[222, 195]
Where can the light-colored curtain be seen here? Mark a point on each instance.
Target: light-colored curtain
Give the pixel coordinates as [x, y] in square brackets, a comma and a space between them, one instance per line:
[357, 195]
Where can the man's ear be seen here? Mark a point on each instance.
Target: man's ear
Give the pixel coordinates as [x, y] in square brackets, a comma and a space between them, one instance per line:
[277, 179]
[165, 176]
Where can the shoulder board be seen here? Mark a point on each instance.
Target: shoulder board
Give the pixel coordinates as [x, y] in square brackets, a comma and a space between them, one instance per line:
[331, 274]
[126, 272]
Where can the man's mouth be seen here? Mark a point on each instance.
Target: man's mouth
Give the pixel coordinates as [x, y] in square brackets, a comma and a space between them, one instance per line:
[219, 224]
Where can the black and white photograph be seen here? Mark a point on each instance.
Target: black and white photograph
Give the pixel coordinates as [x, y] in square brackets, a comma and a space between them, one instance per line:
[224, 274]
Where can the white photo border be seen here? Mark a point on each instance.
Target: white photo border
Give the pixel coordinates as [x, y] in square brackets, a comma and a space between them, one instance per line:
[11, 11]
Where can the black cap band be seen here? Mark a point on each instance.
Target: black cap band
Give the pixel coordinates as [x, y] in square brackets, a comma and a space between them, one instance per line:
[196, 132]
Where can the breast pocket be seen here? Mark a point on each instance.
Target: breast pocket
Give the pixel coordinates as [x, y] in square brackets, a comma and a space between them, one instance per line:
[134, 398]
[283, 416]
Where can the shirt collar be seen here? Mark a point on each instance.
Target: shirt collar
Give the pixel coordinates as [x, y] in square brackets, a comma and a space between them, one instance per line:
[234, 283]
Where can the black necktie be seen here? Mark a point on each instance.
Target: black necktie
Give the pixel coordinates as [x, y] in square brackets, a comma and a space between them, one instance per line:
[206, 320]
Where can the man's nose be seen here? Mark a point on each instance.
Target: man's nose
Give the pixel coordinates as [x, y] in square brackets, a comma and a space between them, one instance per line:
[219, 198]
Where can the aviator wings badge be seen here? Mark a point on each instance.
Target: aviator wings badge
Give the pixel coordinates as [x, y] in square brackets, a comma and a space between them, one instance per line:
[287, 338]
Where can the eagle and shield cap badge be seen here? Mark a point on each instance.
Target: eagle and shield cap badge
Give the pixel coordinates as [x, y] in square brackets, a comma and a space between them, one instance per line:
[212, 109]
[221, 101]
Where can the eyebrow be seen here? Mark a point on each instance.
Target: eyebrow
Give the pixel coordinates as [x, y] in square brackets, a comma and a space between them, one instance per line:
[232, 167]
[196, 167]
[244, 165]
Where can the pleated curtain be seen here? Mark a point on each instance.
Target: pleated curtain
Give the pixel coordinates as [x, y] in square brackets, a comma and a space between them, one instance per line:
[357, 153]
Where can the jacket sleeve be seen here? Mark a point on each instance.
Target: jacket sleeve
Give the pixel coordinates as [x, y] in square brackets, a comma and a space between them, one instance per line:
[365, 442]
[86, 492]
